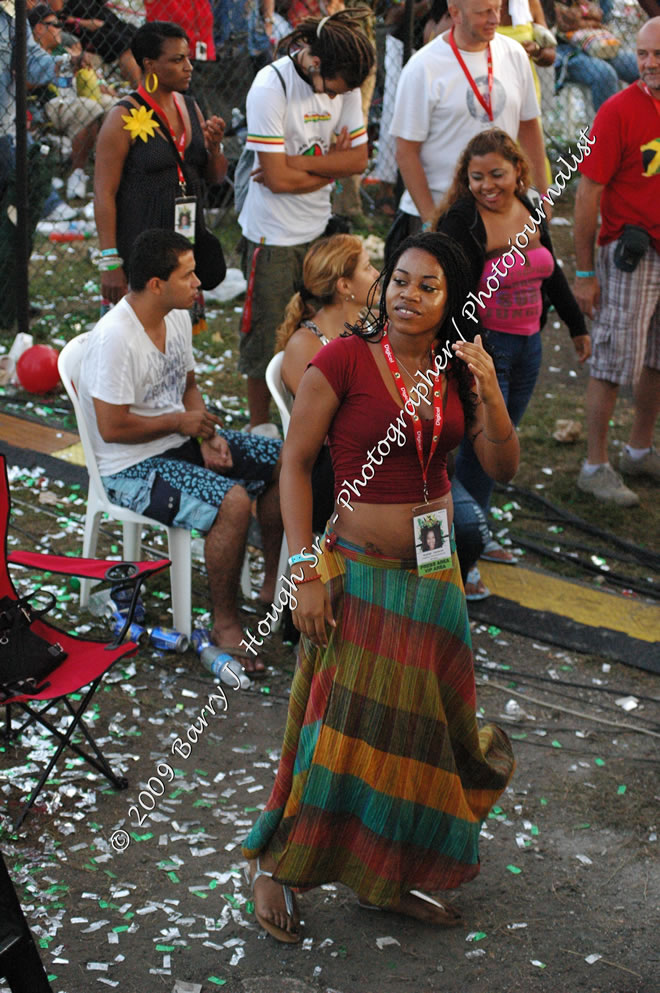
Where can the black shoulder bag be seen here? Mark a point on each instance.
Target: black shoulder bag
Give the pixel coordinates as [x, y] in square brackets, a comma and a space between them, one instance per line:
[26, 659]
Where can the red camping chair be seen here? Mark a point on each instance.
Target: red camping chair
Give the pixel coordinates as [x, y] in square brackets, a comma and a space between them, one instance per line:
[87, 661]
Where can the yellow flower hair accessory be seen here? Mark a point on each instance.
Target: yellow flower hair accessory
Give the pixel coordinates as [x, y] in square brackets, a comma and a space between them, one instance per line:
[140, 123]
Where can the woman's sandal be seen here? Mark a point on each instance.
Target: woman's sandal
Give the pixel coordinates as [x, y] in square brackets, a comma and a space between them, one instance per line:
[474, 586]
[494, 552]
[287, 937]
[453, 917]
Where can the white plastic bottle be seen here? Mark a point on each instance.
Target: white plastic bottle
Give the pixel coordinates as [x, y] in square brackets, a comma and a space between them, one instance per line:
[101, 604]
[228, 670]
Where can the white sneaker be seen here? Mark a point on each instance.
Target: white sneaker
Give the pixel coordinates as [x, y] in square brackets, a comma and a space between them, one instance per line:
[606, 485]
[76, 185]
[62, 212]
[648, 465]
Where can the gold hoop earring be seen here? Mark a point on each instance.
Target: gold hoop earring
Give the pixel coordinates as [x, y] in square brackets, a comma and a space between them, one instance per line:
[151, 82]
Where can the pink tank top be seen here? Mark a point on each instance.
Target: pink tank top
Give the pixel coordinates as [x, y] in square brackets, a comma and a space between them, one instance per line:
[516, 306]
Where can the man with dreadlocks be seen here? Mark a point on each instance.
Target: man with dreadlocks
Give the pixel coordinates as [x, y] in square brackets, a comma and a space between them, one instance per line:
[295, 108]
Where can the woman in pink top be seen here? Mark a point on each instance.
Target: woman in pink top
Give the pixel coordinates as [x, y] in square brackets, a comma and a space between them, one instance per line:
[485, 210]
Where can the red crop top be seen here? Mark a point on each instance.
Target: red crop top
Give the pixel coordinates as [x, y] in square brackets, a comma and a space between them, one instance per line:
[367, 430]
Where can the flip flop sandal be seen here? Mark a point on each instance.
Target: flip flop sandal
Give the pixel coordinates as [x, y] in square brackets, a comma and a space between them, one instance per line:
[243, 656]
[494, 552]
[286, 937]
[454, 917]
[253, 673]
[473, 578]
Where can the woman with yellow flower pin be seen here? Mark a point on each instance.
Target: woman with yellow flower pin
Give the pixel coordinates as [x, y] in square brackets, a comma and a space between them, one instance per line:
[152, 144]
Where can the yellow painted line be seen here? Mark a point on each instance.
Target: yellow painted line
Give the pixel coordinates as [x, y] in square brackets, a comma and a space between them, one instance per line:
[593, 608]
[73, 453]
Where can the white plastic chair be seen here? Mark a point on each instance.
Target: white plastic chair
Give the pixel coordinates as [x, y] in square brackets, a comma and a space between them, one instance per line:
[278, 390]
[283, 400]
[98, 503]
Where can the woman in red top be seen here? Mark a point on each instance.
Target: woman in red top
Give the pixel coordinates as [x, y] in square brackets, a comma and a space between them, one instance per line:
[385, 777]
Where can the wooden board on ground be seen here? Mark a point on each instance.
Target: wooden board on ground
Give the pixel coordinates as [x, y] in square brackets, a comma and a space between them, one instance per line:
[30, 434]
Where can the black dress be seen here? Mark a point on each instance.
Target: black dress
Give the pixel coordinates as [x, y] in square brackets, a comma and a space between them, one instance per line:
[149, 182]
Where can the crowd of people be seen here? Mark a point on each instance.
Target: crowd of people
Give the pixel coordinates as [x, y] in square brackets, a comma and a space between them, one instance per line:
[385, 774]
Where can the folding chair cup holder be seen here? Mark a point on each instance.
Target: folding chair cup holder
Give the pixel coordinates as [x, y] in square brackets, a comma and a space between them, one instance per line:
[86, 662]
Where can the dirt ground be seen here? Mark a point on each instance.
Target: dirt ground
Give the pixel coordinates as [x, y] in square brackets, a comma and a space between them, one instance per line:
[567, 898]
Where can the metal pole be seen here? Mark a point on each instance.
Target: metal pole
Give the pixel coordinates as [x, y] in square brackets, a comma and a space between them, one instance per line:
[408, 31]
[22, 186]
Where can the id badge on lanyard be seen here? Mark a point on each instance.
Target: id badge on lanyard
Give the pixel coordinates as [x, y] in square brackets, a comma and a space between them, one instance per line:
[432, 545]
[185, 212]
[430, 526]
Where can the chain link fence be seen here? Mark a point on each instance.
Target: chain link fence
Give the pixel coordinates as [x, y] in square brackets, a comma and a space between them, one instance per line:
[74, 62]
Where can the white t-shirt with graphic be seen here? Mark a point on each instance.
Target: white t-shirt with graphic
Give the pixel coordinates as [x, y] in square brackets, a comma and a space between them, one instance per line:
[436, 105]
[122, 365]
[300, 122]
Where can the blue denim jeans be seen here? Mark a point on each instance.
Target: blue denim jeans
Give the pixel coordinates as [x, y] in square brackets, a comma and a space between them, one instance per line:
[601, 75]
[517, 359]
[470, 527]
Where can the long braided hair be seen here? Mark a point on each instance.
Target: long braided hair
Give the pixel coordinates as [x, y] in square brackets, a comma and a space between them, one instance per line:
[339, 41]
[451, 257]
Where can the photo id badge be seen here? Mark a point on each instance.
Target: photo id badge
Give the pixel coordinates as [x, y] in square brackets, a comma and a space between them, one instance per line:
[432, 546]
[185, 210]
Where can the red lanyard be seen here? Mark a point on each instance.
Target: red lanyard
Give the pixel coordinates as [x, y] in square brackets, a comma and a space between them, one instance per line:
[656, 103]
[488, 107]
[180, 142]
[416, 419]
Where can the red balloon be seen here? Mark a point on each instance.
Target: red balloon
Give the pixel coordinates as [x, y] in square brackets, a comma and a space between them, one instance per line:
[37, 369]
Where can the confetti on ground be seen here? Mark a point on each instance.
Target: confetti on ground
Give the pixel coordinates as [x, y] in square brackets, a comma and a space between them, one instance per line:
[627, 702]
[387, 940]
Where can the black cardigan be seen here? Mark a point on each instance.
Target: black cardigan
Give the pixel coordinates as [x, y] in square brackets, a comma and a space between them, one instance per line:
[463, 223]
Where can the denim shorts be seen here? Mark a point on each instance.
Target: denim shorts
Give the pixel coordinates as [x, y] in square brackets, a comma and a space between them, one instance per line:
[176, 489]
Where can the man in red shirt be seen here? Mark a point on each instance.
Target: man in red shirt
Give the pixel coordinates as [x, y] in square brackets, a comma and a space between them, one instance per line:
[622, 177]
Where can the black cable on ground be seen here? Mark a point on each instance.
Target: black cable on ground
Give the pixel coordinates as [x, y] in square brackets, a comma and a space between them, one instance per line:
[536, 677]
[644, 555]
[601, 707]
[567, 539]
